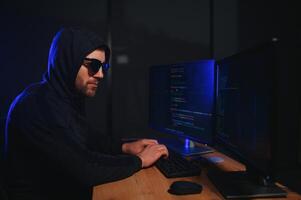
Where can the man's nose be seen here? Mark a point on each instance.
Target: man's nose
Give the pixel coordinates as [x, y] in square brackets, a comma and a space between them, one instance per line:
[99, 74]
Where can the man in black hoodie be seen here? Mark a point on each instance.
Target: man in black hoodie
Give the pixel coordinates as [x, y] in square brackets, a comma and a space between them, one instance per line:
[51, 151]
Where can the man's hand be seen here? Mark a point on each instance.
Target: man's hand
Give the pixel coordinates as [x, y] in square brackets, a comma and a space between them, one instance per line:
[152, 153]
[138, 146]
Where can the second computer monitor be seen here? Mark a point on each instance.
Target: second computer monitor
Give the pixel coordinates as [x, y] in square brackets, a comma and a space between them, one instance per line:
[182, 99]
[257, 117]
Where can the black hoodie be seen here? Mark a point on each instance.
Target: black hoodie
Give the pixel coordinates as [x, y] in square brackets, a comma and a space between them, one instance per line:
[51, 151]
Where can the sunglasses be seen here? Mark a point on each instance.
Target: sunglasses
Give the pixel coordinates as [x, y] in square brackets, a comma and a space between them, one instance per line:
[95, 65]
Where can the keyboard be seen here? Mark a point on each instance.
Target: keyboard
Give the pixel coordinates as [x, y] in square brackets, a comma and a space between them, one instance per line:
[176, 166]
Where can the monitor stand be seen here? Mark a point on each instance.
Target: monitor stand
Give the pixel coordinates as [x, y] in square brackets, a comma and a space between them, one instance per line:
[186, 147]
[240, 185]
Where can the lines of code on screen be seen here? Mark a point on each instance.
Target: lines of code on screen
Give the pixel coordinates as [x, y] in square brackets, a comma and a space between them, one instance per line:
[182, 99]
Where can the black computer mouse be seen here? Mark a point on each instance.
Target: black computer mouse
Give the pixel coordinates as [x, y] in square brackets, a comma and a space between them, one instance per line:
[185, 187]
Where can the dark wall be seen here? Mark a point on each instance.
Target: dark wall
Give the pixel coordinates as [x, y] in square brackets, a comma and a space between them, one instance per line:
[225, 28]
[259, 21]
[299, 160]
[146, 33]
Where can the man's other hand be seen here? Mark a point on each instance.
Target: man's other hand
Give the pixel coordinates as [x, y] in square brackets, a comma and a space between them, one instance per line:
[152, 153]
[138, 146]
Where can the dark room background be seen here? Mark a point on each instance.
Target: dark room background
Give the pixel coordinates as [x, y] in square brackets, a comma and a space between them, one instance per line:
[141, 33]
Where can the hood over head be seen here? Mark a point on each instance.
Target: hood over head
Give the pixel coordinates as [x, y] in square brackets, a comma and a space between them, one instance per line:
[68, 49]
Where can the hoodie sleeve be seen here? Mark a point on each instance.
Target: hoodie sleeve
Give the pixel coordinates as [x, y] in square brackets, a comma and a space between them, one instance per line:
[103, 143]
[70, 156]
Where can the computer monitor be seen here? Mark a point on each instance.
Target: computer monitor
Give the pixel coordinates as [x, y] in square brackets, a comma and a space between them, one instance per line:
[181, 103]
[256, 108]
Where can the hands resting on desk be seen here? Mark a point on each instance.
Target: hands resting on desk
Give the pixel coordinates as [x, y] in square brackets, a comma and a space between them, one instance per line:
[148, 150]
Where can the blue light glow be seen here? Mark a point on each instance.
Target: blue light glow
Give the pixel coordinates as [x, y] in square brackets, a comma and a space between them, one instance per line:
[187, 143]
[182, 99]
[17, 99]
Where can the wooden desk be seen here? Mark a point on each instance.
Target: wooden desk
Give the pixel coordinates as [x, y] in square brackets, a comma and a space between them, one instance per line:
[150, 184]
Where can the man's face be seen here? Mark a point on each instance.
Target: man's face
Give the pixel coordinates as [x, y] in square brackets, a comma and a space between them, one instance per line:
[87, 81]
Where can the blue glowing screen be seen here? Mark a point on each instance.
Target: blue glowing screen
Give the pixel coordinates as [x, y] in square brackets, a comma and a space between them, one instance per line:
[182, 99]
